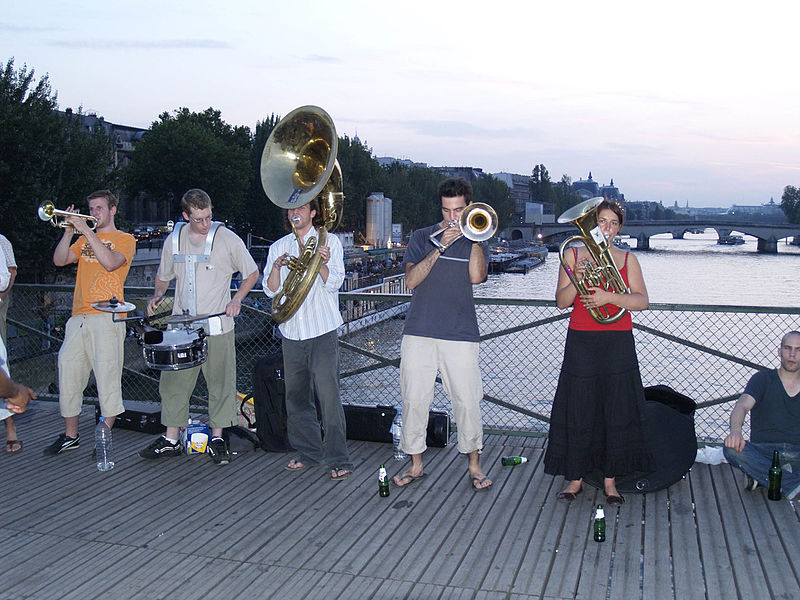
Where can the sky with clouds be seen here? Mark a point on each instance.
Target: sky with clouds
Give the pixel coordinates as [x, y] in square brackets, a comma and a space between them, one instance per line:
[677, 102]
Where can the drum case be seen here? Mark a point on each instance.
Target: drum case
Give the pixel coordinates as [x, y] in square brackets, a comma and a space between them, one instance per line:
[373, 424]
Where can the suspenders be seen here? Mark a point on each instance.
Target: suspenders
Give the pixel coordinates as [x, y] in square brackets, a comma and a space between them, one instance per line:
[191, 260]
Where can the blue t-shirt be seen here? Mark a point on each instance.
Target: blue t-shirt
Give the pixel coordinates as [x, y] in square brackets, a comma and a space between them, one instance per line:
[776, 415]
[442, 305]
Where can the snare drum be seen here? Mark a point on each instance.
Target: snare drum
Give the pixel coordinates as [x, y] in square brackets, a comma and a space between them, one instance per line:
[179, 349]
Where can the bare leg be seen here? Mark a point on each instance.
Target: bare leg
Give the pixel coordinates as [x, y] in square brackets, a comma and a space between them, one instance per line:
[410, 474]
[610, 486]
[479, 480]
[71, 426]
[574, 486]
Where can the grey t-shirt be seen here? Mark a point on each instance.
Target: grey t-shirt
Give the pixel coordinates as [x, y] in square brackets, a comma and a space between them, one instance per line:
[442, 305]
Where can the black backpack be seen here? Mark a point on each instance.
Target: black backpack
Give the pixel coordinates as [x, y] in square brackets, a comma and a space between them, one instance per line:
[269, 403]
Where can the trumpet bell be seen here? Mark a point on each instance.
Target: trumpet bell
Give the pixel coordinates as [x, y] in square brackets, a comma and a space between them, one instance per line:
[299, 157]
[478, 222]
[46, 211]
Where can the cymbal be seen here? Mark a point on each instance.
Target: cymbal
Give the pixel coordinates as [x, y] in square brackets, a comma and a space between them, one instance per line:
[113, 306]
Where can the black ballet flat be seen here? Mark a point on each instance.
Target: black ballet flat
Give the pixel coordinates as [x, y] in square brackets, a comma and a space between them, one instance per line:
[615, 500]
[568, 496]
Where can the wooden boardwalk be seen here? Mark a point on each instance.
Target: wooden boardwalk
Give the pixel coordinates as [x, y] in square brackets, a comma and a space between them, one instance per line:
[185, 528]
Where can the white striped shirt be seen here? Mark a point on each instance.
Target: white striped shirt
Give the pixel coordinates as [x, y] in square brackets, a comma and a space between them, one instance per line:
[319, 312]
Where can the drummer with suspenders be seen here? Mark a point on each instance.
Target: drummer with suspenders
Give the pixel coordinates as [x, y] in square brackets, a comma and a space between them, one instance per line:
[202, 255]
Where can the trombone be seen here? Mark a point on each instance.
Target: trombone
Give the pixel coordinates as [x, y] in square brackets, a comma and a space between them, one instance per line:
[58, 218]
[478, 222]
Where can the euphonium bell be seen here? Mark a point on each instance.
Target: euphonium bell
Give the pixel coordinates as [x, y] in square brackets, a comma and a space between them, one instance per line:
[478, 222]
[48, 212]
[604, 272]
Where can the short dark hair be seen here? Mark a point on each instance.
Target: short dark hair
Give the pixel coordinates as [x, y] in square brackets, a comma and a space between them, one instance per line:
[111, 199]
[317, 221]
[613, 207]
[786, 335]
[195, 198]
[455, 186]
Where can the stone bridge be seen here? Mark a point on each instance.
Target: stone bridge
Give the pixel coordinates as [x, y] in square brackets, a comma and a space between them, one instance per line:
[768, 234]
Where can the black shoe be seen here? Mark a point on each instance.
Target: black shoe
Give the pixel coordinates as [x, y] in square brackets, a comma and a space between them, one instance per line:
[161, 448]
[62, 444]
[219, 452]
[750, 484]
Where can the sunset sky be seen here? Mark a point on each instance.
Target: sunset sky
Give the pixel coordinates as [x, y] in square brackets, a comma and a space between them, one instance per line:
[677, 102]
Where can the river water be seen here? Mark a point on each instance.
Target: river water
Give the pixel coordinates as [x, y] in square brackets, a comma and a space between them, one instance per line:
[694, 270]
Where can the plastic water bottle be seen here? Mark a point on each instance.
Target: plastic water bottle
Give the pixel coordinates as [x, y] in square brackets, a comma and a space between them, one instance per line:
[102, 446]
[397, 430]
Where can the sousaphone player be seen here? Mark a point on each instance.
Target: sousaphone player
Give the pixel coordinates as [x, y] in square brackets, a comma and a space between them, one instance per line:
[303, 274]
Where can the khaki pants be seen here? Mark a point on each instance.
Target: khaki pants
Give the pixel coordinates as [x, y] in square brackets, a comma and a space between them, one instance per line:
[219, 371]
[91, 343]
[457, 362]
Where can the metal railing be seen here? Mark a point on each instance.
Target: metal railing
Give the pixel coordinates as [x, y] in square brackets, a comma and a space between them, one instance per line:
[705, 352]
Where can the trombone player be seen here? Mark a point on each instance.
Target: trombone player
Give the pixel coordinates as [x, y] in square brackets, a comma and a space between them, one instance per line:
[441, 333]
[92, 340]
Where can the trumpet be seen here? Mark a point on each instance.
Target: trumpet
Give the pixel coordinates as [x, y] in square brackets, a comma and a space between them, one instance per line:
[478, 222]
[58, 218]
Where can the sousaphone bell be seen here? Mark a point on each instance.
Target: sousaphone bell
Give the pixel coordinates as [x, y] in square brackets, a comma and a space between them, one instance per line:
[299, 164]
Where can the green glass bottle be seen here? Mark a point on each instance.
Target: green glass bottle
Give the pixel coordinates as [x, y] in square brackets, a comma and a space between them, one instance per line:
[599, 524]
[509, 461]
[383, 483]
[775, 473]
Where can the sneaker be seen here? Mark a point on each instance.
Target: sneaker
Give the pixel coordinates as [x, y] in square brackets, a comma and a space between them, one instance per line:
[219, 452]
[62, 444]
[161, 448]
[750, 484]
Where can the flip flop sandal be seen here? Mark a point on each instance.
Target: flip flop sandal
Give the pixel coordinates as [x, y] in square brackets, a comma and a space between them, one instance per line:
[13, 446]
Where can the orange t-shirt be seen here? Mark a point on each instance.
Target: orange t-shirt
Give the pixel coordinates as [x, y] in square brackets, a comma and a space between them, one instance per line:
[94, 283]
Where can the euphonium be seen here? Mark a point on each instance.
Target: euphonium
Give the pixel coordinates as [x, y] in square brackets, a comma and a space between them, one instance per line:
[604, 272]
[48, 212]
[478, 222]
[299, 164]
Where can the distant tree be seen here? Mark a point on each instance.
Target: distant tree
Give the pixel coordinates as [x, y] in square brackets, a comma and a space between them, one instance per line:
[361, 175]
[44, 155]
[264, 218]
[495, 193]
[194, 150]
[790, 203]
[541, 187]
[565, 196]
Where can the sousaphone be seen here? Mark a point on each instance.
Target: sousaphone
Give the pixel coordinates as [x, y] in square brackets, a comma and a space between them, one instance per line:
[299, 164]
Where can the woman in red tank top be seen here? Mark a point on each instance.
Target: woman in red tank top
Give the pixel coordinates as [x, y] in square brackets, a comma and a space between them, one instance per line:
[596, 418]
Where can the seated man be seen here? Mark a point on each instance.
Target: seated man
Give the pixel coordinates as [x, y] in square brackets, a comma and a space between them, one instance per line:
[774, 398]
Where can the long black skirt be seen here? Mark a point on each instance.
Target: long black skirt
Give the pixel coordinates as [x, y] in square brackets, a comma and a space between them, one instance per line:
[597, 419]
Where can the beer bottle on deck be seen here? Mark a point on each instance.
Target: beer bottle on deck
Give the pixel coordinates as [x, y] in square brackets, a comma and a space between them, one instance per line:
[509, 461]
[599, 524]
[383, 483]
[774, 490]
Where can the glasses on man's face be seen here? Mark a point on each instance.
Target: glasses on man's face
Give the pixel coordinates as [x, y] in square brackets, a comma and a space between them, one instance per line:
[201, 219]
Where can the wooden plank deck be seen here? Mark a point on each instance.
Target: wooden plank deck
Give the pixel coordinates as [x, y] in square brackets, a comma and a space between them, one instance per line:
[184, 528]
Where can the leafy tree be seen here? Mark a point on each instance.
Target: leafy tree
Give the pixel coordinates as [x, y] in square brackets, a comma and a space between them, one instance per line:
[790, 203]
[44, 156]
[541, 187]
[361, 176]
[565, 196]
[264, 218]
[194, 150]
[495, 193]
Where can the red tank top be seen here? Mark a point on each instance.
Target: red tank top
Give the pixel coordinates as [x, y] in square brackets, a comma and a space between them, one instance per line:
[583, 321]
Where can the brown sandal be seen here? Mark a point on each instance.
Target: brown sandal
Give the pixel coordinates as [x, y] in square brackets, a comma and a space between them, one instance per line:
[13, 446]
